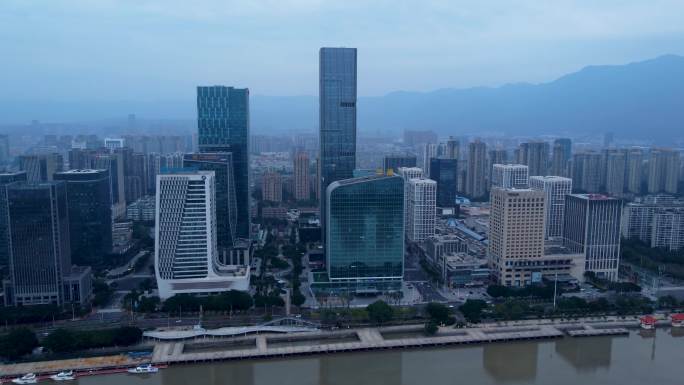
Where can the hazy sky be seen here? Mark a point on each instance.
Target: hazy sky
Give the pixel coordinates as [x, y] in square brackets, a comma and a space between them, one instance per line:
[146, 50]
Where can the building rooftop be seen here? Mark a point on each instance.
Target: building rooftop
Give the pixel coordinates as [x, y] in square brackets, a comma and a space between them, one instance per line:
[455, 260]
[594, 197]
[36, 185]
[422, 181]
[78, 272]
[512, 165]
[410, 169]
[550, 178]
[361, 179]
[557, 250]
[82, 171]
[184, 171]
[514, 190]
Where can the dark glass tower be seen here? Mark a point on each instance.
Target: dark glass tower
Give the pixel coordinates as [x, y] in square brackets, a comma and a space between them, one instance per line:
[393, 162]
[365, 232]
[5, 180]
[90, 214]
[223, 125]
[445, 172]
[337, 114]
[566, 145]
[39, 235]
[226, 208]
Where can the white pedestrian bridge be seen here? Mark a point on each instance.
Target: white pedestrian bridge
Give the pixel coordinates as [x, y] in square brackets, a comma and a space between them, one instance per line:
[281, 325]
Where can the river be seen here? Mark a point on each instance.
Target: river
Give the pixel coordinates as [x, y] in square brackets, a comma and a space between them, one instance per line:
[642, 358]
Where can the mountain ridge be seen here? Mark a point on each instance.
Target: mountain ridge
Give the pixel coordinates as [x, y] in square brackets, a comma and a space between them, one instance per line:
[639, 99]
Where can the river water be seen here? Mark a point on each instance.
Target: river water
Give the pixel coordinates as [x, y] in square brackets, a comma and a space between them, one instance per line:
[642, 358]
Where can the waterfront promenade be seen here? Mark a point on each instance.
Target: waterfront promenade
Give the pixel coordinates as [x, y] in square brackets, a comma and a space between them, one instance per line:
[320, 342]
[212, 346]
[395, 337]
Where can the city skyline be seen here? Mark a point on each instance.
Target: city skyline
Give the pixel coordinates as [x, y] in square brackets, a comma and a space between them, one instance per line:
[495, 216]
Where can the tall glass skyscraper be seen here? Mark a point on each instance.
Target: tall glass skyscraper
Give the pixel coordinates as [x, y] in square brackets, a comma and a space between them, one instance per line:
[39, 237]
[337, 109]
[90, 214]
[223, 126]
[6, 178]
[365, 233]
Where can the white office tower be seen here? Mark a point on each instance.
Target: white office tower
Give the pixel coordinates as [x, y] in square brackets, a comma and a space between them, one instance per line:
[430, 150]
[510, 176]
[555, 188]
[113, 143]
[421, 208]
[186, 255]
[592, 227]
[408, 173]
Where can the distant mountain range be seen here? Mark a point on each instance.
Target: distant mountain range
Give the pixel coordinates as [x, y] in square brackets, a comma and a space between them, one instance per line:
[637, 100]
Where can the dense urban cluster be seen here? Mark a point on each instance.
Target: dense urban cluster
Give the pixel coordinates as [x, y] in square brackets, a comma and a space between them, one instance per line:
[225, 223]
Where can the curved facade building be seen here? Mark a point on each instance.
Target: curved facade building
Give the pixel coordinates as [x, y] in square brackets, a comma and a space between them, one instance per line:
[365, 233]
[186, 247]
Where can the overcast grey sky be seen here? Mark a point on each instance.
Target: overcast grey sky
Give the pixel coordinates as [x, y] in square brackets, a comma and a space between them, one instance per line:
[147, 50]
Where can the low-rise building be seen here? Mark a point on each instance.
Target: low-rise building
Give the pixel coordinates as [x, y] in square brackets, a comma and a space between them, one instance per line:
[437, 246]
[463, 270]
[141, 210]
[78, 285]
[122, 237]
[274, 213]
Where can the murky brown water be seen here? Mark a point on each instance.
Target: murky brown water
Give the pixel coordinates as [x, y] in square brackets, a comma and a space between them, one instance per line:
[642, 358]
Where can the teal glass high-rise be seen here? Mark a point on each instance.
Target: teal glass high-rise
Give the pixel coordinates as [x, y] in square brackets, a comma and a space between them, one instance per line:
[223, 126]
[365, 233]
[337, 109]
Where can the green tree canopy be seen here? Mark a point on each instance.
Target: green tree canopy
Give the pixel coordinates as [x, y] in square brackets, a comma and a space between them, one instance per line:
[472, 309]
[438, 312]
[431, 328]
[380, 312]
[17, 343]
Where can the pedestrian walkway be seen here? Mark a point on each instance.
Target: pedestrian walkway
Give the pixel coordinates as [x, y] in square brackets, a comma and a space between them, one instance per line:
[368, 339]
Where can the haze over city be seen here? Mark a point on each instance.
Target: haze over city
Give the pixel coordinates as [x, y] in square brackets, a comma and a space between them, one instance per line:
[160, 50]
[315, 192]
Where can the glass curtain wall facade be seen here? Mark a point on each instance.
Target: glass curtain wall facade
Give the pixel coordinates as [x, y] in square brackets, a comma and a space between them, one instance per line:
[365, 233]
[5, 180]
[445, 173]
[337, 109]
[223, 126]
[90, 214]
[39, 238]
